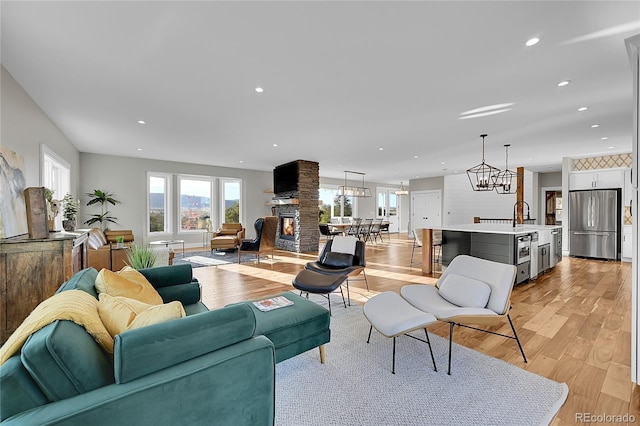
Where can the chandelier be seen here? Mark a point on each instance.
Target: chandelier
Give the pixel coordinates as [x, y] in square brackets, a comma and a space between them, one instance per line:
[481, 176]
[401, 190]
[503, 181]
[353, 190]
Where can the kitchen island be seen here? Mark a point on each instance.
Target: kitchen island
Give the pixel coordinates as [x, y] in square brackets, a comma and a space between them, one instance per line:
[531, 248]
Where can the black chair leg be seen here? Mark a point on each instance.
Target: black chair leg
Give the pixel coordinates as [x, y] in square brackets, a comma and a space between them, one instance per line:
[450, 345]
[431, 350]
[393, 362]
[516, 337]
[370, 330]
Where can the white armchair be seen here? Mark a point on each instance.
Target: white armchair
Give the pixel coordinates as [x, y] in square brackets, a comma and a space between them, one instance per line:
[470, 291]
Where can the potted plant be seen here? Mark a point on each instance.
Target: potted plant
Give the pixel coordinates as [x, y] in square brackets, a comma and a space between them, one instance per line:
[70, 209]
[101, 197]
[120, 241]
[139, 257]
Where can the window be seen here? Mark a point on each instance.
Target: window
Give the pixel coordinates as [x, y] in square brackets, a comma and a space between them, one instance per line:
[158, 207]
[334, 205]
[231, 200]
[56, 176]
[194, 203]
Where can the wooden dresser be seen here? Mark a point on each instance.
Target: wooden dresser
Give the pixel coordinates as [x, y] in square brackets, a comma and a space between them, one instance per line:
[32, 270]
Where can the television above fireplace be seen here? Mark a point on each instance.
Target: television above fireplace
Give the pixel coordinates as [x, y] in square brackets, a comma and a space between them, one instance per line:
[285, 178]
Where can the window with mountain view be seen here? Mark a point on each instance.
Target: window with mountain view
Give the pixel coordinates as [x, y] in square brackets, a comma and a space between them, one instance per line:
[231, 198]
[158, 203]
[195, 203]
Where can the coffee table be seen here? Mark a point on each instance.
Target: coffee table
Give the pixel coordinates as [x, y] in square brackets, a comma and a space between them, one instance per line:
[167, 243]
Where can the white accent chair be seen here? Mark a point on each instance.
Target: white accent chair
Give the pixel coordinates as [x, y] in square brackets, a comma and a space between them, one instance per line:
[470, 291]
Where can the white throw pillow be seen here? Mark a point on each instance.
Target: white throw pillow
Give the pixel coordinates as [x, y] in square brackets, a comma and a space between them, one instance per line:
[464, 291]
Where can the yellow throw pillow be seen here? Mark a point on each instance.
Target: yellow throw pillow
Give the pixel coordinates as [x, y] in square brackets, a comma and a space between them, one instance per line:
[120, 314]
[127, 283]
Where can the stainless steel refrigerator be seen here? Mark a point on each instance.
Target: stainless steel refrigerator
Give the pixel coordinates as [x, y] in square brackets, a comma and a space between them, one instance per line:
[594, 223]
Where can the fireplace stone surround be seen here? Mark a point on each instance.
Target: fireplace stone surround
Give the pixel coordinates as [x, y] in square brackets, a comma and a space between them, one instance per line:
[302, 205]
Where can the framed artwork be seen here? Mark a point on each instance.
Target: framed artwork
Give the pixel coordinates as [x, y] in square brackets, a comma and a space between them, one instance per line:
[13, 211]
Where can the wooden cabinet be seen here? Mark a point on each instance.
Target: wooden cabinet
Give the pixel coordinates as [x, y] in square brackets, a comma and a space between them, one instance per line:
[32, 270]
[601, 179]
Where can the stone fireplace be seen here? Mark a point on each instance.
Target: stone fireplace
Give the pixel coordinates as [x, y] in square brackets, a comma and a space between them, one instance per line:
[297, 212]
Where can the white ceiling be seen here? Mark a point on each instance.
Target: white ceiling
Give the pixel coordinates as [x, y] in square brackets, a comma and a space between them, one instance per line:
[341, 80]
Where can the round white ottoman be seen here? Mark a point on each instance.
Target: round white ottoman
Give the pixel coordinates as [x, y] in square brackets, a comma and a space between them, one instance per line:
[391, 315]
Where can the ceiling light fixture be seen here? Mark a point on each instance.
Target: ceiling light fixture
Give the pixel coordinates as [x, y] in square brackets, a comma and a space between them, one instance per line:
[481, 176]
[259, 89]
[503, 180]
[564, 83]
[532, 42]
[353, 190]
[401, 190]
[486, 110]
[604, 138]
[583, 109]
[142, 122]
[593, 126]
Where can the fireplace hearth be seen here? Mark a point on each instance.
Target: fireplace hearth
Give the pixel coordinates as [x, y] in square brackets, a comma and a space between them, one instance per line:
[287, 227]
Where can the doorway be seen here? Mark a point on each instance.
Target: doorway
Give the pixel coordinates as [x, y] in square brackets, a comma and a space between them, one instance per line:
[553, 207]
[426, 209]
[388, 208]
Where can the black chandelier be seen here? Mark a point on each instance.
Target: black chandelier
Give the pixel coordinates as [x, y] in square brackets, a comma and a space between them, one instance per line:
[505, 181]
[481, 176]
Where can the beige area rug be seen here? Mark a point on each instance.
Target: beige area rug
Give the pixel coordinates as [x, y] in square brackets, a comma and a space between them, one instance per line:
[356, 387]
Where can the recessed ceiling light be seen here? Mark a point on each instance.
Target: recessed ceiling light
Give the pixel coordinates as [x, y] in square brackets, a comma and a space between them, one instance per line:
[259, 89]
[415, 156]
[142, 122]
[583, 109]
[138, 149]
[442, 163]
[242, 161]
[564, 83]
[532, 42]
[604, 138]
[380, 149]
[593, 126]
[275, 144]
[611, 147]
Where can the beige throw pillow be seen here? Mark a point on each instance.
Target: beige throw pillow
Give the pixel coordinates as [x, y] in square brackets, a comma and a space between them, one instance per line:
[119, 314]
[127, 283]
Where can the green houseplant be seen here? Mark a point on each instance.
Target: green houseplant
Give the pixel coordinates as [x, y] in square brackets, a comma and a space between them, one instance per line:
[104, 217]
[70, 209]
[139, 257]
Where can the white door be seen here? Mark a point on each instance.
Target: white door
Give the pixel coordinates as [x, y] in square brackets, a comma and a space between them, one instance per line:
[426, 209]
[388, 208]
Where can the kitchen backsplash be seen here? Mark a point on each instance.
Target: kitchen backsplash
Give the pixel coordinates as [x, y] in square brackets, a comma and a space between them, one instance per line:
[627, 215]
[603, 162]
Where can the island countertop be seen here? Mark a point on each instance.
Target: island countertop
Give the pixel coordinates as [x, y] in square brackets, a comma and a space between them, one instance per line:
[499, 228]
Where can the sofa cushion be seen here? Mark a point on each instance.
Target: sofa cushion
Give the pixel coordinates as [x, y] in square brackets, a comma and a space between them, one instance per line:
[82, 280]
[163, 276]
[464, 291]
[121, 313]
[19, 391]
[128, 283]
[64, 360]
[175, 341]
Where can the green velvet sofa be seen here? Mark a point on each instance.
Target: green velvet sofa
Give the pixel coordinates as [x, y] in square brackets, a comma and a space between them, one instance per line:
[208, 368]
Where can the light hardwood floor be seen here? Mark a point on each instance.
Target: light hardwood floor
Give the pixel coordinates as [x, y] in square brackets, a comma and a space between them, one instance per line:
[574, 322]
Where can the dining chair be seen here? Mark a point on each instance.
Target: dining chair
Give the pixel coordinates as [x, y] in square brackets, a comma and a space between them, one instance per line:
[417, 242]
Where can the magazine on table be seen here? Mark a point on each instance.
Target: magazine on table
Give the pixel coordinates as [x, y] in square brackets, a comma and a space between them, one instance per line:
[272, 303]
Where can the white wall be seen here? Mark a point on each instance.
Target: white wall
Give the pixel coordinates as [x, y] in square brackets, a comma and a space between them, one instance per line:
[126, 178]
[25, 126]
[462, 204]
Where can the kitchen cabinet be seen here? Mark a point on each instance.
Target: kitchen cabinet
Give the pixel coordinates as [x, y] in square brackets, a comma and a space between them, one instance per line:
[596, 179]
[627, 242]
[31, 270]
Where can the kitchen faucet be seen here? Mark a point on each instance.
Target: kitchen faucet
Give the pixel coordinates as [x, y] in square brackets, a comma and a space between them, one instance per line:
[514, 211]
